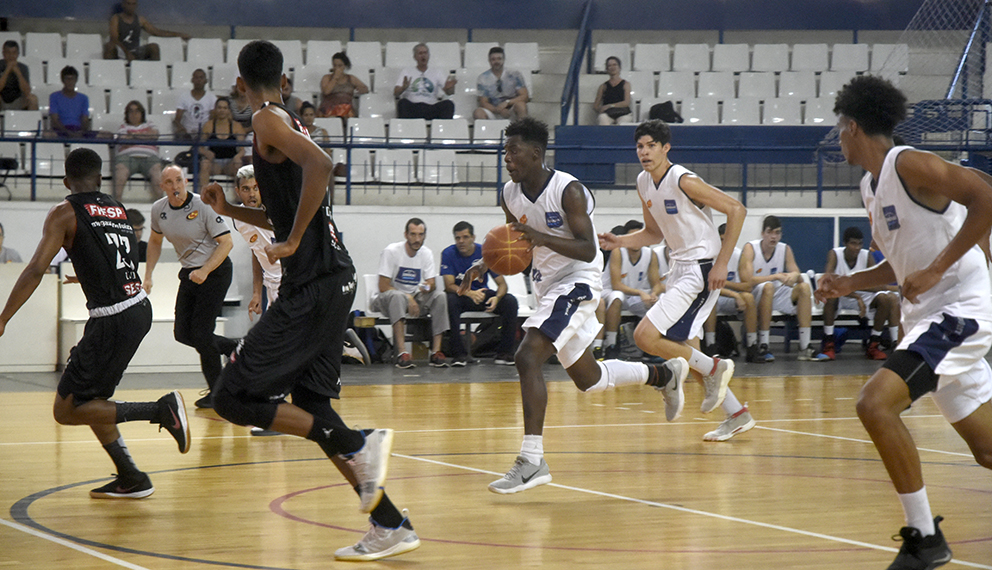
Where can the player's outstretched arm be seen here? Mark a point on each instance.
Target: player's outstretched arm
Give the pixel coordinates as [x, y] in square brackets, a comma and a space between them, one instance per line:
[60, 227]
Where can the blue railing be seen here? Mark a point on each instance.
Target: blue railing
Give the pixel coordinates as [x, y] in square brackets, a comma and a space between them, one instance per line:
[583, 43]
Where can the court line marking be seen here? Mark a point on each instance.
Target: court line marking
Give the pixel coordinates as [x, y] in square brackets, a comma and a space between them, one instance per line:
[83, 549]
[841, 438]
[693, 511]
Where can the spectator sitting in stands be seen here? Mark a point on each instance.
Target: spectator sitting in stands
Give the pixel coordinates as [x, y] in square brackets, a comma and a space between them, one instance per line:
[292, 102]
[68, 109]
[125, 35]
[880, 304]
[339, 88]
[420, 90]
[308, 113]
[221, 159]
[736, 299]
[241, 109]
[15, 81]
[455, 260]
[613, 98]
[502, 92]
[635, 285]
[8, 255]
[141, 156]
[769, 265]
[194, 108]
[408, 287]
[137, 221]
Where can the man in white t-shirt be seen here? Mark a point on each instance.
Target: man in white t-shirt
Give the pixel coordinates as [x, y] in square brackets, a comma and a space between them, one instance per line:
[194, 108]
[420, 91]
[408, 287]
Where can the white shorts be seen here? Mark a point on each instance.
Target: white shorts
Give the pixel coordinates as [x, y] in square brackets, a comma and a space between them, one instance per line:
[567, 315]
[726, 306]
[959, 395]
[632, 303]
[849, 304]
[782, 301]
[686, 303]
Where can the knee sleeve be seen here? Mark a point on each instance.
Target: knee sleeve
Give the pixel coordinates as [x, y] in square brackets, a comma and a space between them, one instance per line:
[914, 371]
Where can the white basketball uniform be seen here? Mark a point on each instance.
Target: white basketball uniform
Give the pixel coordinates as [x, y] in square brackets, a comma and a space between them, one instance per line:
[633, 275]
[257, 239]
[726, 305]
[693, 243]
[860, 264]
[568, 290]
[782, 301]
[949, 324]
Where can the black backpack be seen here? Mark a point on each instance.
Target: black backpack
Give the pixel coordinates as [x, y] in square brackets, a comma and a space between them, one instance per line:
[665, 111]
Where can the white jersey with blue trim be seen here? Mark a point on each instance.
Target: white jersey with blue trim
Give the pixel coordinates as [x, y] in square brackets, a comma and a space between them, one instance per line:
[911, 236]
[733, 266]
[688, 228]
[547, 215]
[775, 264]
[635, 275]
[843, 268]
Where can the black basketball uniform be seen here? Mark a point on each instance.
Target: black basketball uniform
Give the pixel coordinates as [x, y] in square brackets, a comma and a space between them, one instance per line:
[299, 339]
[104, 256]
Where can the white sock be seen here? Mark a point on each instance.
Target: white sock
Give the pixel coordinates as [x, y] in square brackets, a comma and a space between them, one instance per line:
[598, 343]
[917, 509]
[731, 405]
[751, 338]
[611, 338]
[894, 333]
[701, 363]
[804, 335]
[616, 373]
[532, 449]
[711, 338]
[828, 330]
[763, 337]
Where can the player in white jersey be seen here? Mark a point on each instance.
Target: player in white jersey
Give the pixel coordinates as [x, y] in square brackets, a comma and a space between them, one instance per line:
[676, 205]
[927, 215]
[554, 212]
[266, 275]
[879, 304]
[634, 286]
[607, 280]
[736, 300]
[770, 267]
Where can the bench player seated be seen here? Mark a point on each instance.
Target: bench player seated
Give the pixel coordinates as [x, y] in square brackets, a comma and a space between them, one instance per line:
[736, 300]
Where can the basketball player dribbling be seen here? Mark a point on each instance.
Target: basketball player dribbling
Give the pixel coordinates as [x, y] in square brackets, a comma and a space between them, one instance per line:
[554, 212]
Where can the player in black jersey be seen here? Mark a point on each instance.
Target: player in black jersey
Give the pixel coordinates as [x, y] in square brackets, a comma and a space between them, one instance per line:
[295, 348]
[94, 229]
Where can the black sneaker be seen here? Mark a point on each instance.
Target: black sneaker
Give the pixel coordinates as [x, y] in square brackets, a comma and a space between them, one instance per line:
[597, 353]
[457, 361]
[206, 402]
[754, 354]
[172, 417]
[504, 360]
[120, 488]
[920, 552]
[611, 352]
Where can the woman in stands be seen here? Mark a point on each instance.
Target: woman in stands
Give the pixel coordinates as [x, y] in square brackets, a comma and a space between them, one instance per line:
[138, 157]
[339, 88]
[308, 113]
[221, 159]
[613, 98]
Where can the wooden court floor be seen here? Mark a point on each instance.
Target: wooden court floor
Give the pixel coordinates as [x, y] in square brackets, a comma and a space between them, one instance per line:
[805, 489]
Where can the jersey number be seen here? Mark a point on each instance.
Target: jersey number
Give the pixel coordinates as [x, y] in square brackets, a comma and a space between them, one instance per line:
[123, 247]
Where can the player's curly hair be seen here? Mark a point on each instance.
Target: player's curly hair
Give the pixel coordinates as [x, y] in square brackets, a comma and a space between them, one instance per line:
[260, 64]
[874, 103]
[530, 130]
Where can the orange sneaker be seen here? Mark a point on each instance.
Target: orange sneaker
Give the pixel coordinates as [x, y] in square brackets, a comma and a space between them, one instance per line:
[874, 352]
[829, 350]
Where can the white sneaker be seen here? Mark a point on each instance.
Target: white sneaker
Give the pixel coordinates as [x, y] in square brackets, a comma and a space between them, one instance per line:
[674, 391]
[369, 465]
[733, 425]
[810, 354]
[522, 476]
[716, 385]
[381, 542]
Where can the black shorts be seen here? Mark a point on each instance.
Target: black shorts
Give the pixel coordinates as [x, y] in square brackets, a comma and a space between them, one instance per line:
[97, 363]
[298, 341]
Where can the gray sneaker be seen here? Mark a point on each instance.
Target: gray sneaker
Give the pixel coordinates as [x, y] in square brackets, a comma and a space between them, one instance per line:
[733, 425]
[381, 542]
[811, 354]
[369, 465]
[674, 391]
[716, 385]
[522, 476]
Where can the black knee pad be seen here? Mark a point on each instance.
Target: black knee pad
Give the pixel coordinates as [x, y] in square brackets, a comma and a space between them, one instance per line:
[915, 372]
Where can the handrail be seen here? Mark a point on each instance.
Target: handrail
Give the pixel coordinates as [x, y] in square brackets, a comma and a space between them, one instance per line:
[570, 91]
[961, 70]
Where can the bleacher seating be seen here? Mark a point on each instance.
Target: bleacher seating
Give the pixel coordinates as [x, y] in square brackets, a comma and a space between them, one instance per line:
[832, 81]
[642, 84]
[881, 53]
[477, 55]
[604, 50]
[757, 84]
[445, 55]
[224, 76]
[809, 57]
[700, 111]
[439, 167]
[395, 166]
[377, 105]
[367, 130]
[292, 53]
[182, 74]
[801, 84]
[849, 57]
[121, 96]
[731, 57]
[107, 73]
[407, 131]
[450, 131]
[12, 35]
[820, 111]
[489, 131]
[45, 46]
[170, 49]
[204, 52]
[676, 85]
[400, 54]
[718, 84]
[21, 123]
[149, 74]
[320, 52]
[652, 57]
[770, 57]
[524, 55]
[783, 111]
[742, 111]
[366, 55]
[165, 101]
[691, 57]
[55, 67]
[83, 46]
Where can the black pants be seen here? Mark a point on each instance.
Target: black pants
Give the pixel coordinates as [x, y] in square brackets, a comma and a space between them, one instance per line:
[197, 307]
[441, 110]
[506, 309]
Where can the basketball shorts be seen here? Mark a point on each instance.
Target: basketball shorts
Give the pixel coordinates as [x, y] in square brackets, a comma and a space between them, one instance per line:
[97, 363]
[685, 305]
[298, 340]
[567, 315]
[782, 300]
[955, 348]
[849, 304]
[726, 306]
[631, 303]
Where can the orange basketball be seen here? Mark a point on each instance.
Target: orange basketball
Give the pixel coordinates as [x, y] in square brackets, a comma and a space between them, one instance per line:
[505, 252]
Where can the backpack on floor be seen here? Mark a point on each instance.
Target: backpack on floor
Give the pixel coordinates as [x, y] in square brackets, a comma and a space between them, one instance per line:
[726, 342]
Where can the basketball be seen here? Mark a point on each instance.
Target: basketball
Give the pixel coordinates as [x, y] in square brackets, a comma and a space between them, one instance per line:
[505, 252]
